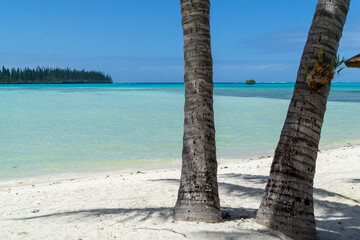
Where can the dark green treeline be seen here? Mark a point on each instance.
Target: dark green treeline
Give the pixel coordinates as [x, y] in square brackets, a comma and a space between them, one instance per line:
[51, 75]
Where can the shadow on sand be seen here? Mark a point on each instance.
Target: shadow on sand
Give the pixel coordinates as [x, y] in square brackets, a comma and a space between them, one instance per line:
[337, 218]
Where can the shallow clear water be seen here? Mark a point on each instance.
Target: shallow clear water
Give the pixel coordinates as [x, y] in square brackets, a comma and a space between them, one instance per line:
[63, 128]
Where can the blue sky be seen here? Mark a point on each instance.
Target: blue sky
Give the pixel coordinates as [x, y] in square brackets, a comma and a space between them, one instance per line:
[141, 41]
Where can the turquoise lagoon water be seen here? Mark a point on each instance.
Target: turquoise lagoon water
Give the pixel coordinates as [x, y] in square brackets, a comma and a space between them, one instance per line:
[47, 129]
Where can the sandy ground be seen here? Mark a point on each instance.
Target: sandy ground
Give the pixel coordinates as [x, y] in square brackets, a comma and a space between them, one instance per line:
[138, 205]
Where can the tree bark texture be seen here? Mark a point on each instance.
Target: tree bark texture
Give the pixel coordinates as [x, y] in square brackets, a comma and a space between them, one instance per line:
[198, 198]
[287, 204]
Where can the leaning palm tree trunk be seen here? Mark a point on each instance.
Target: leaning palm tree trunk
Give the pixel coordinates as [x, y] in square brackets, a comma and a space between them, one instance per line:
[287, 204]
[198, 198]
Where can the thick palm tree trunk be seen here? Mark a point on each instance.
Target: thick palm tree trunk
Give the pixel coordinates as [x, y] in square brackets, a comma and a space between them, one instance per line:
[287, 204]
[198, 198]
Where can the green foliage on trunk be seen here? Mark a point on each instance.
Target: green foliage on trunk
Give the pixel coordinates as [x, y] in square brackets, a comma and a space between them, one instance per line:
[287, 204]
[321, 73]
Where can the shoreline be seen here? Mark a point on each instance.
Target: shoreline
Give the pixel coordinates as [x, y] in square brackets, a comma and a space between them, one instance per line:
[173, 164]
[138, 204]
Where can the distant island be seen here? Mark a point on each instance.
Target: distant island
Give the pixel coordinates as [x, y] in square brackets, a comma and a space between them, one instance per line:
[252, 81]
[51, 75]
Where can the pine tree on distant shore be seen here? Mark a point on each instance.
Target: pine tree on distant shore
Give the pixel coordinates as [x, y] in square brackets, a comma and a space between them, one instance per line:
[51, 75]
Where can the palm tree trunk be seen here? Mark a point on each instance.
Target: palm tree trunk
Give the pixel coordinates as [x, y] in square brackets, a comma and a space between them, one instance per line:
[198, 198]
[287, 204]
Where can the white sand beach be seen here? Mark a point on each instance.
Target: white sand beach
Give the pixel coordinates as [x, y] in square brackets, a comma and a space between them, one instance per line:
[138, 204]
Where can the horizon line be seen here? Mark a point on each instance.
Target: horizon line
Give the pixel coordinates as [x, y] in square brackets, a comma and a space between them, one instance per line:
[214, 82]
